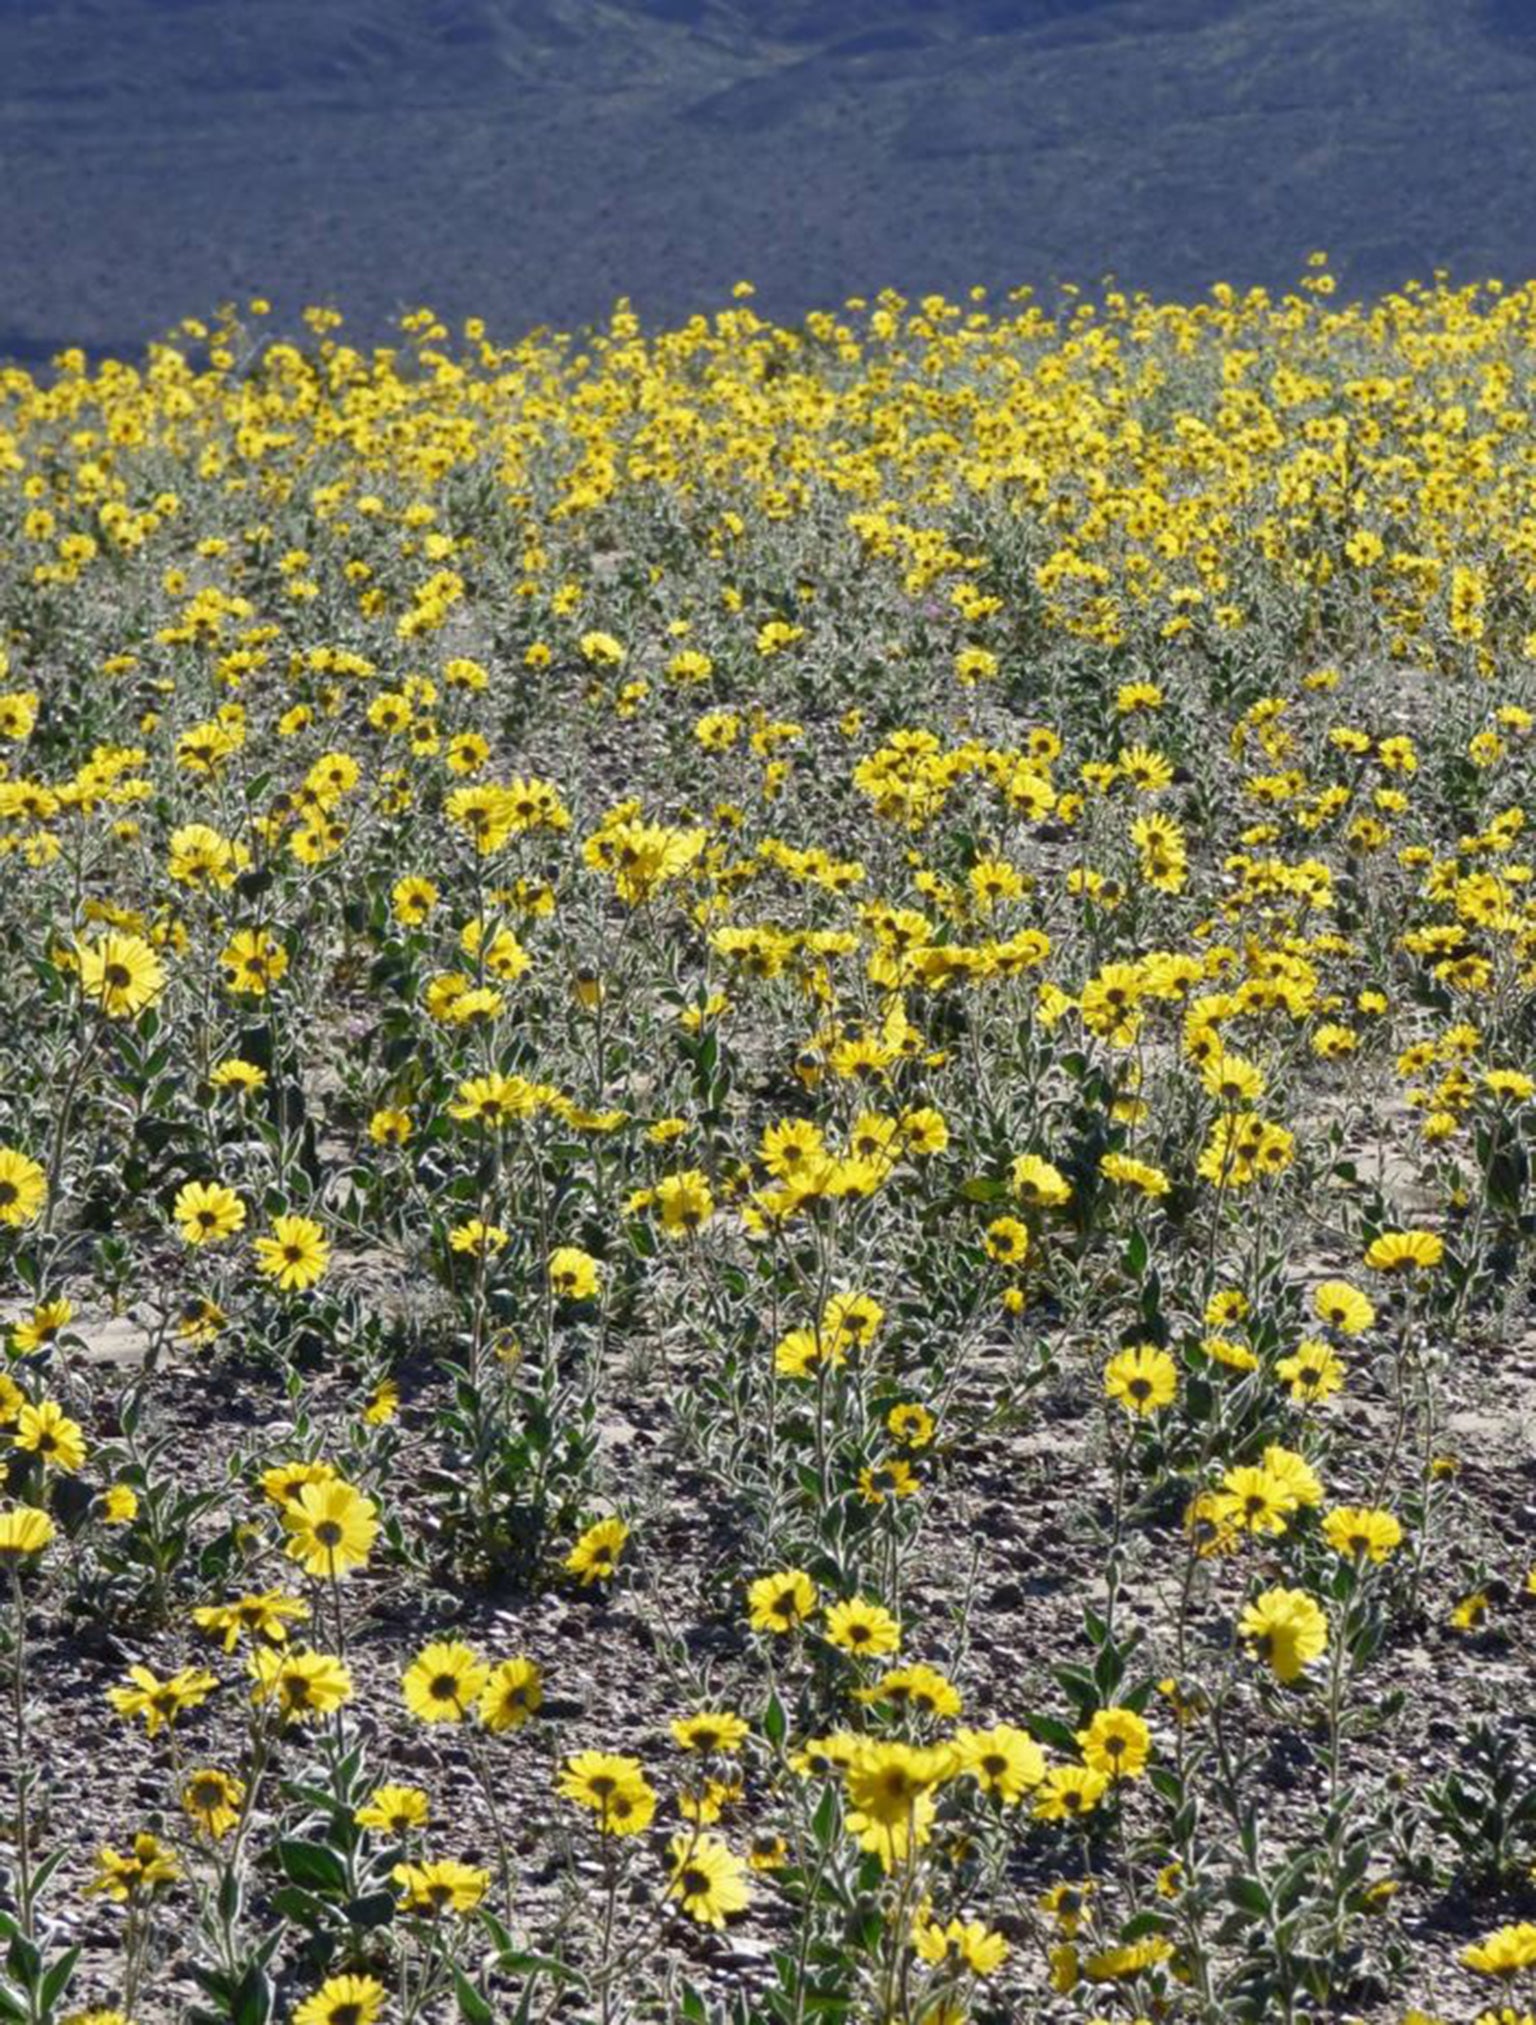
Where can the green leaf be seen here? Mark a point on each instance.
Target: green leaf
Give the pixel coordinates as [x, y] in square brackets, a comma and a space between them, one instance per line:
[312, 1865]
[1108, 1670]
[24, 1960]
[472, 2006]
[824, 1823]
[230, 1898]
[1250, 1895]
[1080, 1688]
[251, 2001]
[1167, 1785]
[520, 1962]
[58, 1978]
[1047, 1730]
[1152, 1304]
[1294, 1879]
[303, 1908]
[1149, 1922]
[372, 1909]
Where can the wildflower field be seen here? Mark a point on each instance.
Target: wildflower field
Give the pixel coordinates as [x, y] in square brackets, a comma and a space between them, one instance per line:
[766, 1134]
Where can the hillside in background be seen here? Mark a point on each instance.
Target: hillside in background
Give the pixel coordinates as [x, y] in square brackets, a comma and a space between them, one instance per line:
[530, 160]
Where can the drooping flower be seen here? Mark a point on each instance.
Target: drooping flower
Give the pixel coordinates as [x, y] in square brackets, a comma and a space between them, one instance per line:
[295, 1254]
[1286, 1629]
[331, 1529]
[1343, 1307]
[1362, 1532]
[960, 1945]
[1117, 1742]
[136, 1876]
[1506, 1952]
[253, 961]
[1143, 1378]
[866, 1630]
[890, 1795]
[444, 1681]
[709, 1732]
[1068, 1791]
[207, 1211]
[264, 1616]
[1405, 1251]
[299, 1684]
[120, 974]
[707, 1880]
[47, 1431]
[212, 1800]
[1004, 1761]
[343, 2000]
[431, 1889]
[781, 1602]
[23, 1531]
[23, 1188]
[573, 1275]
[158, 1701]
[513, 1693]
[615, 1789]
[596, 1554]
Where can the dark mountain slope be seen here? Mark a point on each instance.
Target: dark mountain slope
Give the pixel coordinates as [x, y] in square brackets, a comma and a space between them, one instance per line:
[531, 159]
